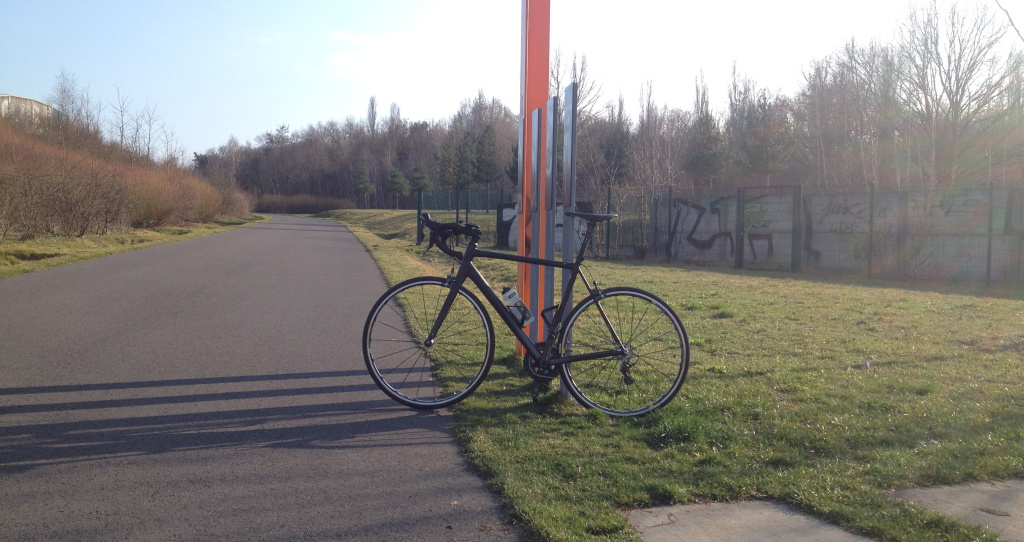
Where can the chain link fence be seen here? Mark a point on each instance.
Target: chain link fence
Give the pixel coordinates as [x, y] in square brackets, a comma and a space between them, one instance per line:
[481, 207]
[971, 234]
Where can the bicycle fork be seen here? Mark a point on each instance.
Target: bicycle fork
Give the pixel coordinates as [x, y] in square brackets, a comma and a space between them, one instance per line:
[453, 284]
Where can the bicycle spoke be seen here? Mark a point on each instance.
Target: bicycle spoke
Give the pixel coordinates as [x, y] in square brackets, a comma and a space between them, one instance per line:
[417, 374]
[651, 366]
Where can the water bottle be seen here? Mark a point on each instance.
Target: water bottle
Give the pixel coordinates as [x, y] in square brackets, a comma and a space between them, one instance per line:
[516, 306]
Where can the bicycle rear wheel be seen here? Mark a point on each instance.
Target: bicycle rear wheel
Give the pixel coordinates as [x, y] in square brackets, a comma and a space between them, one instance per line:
[421, 376]
[656, 352]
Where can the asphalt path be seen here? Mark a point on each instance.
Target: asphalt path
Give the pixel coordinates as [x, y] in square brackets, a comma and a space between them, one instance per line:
[214, 389]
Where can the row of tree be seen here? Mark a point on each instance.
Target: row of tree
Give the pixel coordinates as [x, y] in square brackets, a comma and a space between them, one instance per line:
[940, 106]
[372, 160]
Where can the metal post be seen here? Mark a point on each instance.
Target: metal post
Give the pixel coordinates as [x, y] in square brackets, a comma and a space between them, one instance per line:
[535, 72]
[740, 209]
[991, 226]
[419, 214]
[871, 229]
[902, 233]
[499, 211]
[798, 227]
[669, 234]
[550, 207]
[534, 300]
[608, 229]
[569, 118]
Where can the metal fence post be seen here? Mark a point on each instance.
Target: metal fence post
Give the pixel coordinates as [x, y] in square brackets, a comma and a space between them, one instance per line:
[798, 227]
[668, 226]
[740, 209]
[871, 228]
[903, 233]
[991, 226]
[1016, 235]
[608, 229]
[419, 219]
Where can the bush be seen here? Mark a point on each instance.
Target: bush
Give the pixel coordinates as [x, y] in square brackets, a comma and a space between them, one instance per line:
[235, 202]
[46, 189]
[300, 204]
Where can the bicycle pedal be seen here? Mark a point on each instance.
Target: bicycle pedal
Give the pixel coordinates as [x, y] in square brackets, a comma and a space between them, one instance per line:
[535, 392]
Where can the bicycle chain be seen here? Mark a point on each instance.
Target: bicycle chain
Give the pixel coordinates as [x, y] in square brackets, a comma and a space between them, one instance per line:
[540, 373]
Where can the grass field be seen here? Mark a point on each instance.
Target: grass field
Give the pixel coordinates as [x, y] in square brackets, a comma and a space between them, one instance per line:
[824, 394]
[17, 257]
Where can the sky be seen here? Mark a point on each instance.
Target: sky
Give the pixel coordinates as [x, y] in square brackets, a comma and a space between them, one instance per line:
[214, 69]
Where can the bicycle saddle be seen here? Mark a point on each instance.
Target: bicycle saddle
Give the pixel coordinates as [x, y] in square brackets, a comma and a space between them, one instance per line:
[590, 217]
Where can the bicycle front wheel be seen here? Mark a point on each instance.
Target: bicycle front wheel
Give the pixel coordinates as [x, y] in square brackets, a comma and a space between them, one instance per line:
[421, 376]
[653, 359]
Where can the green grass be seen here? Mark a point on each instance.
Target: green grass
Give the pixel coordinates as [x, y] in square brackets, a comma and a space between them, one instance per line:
[17, 257]
[820, 393]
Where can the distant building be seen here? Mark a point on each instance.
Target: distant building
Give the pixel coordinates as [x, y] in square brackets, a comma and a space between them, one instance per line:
[23, 107]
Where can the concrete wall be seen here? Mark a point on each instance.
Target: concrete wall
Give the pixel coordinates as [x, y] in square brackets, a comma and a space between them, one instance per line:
[915, 234]
[23, 107]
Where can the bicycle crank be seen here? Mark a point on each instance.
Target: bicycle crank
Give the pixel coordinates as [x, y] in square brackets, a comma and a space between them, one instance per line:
[541, 374]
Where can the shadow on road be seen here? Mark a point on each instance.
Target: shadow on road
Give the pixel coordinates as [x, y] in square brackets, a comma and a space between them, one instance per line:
[128, 426]
[176, 382]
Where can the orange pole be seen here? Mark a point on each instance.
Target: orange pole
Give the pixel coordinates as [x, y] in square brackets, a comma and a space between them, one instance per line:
[533, 95]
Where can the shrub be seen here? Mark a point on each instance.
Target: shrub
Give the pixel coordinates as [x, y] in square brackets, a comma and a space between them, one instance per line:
[235, 202]
[46, 189]
[300, 204]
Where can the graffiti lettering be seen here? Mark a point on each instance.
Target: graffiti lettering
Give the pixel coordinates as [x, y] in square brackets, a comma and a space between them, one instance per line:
[945, 205]
[854, 209]
[756, 216]
[767, 238]
[701, 244]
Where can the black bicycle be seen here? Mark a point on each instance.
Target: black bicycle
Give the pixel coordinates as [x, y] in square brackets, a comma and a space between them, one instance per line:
[428, 342]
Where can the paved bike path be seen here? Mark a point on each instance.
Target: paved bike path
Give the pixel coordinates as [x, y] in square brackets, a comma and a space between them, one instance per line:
[214, 389]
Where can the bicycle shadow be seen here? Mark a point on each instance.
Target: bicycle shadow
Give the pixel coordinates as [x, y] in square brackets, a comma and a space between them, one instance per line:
[35, 433]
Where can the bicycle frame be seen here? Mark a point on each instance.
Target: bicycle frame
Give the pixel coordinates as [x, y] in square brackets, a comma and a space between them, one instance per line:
[468, 270]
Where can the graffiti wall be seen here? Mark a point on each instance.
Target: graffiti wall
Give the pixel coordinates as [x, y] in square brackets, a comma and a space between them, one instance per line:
[962, 235]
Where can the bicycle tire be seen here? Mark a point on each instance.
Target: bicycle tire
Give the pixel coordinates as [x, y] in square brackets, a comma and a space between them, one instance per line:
[652, 372]
[416, 375]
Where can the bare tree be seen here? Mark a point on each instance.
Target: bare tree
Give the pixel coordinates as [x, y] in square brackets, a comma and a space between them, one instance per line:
[1010, 20]
[120, 126]
[148, 124]
[588, 93]
[760, 132]
[951, 76]
[78, 118]
[704, 155]
[371, 116]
